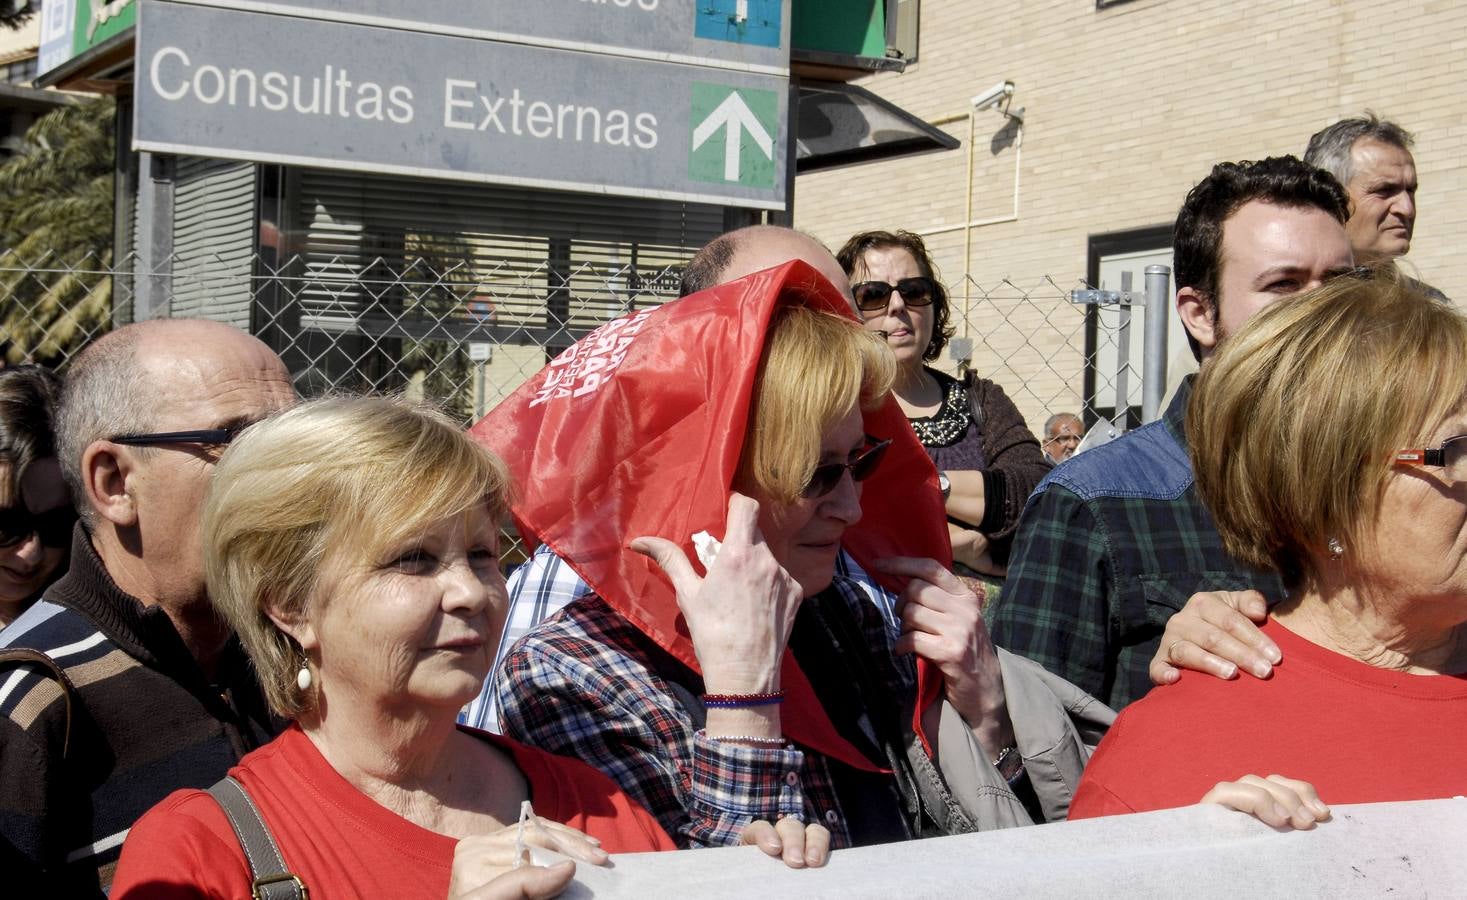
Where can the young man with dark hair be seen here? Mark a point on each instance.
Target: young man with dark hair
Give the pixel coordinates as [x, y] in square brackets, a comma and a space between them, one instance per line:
[1115, 541]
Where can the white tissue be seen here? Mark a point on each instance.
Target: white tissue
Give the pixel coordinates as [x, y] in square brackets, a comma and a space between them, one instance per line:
[706, 546]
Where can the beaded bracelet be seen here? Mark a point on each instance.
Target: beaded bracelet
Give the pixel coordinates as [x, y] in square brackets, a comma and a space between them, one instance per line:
[746, 738]
[742, 701]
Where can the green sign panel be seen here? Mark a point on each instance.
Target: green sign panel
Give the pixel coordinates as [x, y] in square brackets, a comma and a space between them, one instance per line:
[70, 28]
[734, 137]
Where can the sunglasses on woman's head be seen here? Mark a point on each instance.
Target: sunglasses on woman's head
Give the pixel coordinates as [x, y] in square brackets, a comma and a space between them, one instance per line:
[916, 291]
[53, 526]
[824, 479]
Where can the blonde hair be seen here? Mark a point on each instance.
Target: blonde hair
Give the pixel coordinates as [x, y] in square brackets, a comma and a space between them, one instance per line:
[816, 368]
[1294, 422]
[339, 476]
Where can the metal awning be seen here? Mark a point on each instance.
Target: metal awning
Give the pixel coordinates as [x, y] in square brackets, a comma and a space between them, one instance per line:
[842, 124]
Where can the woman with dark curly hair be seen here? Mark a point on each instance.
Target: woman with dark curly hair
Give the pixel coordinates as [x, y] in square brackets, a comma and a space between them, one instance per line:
[987, 459]
[35, 515]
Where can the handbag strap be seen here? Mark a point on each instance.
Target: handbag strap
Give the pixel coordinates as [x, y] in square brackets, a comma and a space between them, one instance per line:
[36, 657]
[270, 879]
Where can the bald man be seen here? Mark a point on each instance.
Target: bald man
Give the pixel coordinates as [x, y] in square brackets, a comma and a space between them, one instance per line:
[136, 688]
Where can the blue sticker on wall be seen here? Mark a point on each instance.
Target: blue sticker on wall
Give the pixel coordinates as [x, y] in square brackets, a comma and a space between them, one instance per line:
[739, 21]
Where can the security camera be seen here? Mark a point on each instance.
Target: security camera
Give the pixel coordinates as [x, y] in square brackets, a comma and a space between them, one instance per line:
[991, 97]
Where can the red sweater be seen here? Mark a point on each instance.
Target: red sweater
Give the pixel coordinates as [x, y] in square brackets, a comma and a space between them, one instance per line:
[339, 841]
[1359, 734]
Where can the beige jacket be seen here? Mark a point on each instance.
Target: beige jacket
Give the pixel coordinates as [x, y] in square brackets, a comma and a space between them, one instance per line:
[1057, 727]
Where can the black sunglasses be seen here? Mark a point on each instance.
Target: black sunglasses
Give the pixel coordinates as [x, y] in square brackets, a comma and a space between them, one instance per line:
[824, 479]
[209, 436]
[53, 526]
[872, 295]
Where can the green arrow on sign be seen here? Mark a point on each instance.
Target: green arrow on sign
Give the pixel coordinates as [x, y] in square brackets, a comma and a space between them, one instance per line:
[742, 122]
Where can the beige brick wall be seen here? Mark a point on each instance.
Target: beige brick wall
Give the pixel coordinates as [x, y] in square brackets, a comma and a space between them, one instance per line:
[1126, 108]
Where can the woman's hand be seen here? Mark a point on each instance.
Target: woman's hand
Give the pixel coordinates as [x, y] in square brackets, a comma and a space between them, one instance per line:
[1277, 801]
[798, 844]
[971, 549]
[740, 615]
[484, 865]
[528, 883]
[1215, 633]
[941, 622]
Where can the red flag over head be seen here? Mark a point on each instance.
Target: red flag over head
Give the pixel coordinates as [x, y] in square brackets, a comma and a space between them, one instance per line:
[636, 430]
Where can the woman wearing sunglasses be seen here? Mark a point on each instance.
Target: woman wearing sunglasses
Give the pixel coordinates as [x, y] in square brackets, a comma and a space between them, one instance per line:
[36, 517]
[1328, 440]
[760, 688]
[988, 461]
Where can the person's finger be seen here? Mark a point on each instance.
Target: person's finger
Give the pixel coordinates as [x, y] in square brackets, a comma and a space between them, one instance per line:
[526, 883]
[1250, 603]
[916, 616]
[1239, 613]
[565, 841]
[931, 647]
[1251, 798]
[1299, 798]
[762, 835]
[743, 520]
[555, 826]
[792, 836]
[671, 559]
[929, 570]
[817, 845]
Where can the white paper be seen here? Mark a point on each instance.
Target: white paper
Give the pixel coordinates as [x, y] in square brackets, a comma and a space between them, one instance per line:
[1401, 850]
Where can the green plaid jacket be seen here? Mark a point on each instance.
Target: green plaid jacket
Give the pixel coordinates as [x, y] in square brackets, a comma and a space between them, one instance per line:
[1109, 546]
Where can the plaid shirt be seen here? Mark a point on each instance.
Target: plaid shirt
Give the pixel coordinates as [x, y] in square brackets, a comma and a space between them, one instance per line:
[1110, 545]
[588, 684]
[544, 585]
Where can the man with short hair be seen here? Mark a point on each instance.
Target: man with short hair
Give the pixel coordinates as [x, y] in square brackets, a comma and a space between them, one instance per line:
[1115, 541]
[160, 696]
[1062, 435]
[1372, 158]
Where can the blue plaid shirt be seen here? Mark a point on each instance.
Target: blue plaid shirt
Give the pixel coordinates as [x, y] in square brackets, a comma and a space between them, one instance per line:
[588, 684]
[1110, 545]
[545, 585]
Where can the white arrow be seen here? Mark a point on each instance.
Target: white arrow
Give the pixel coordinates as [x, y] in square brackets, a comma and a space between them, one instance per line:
[735, 117]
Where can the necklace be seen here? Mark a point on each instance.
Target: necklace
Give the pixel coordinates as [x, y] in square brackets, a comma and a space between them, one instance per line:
[946, 426]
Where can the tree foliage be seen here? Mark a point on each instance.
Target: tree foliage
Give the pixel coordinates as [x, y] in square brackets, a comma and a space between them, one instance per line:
[56, 199]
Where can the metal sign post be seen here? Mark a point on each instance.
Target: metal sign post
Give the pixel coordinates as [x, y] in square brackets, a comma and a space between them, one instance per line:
[1154, 340]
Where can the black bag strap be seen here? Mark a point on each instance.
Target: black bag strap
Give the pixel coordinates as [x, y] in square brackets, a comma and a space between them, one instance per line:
[270, 879]
[36, 657]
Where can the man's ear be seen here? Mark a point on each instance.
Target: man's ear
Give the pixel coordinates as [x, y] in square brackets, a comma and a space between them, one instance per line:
[1199, 317]
[105, 470]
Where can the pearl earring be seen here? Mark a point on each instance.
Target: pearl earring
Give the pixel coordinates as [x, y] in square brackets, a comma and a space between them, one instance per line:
[303, 678]
[1336, 549]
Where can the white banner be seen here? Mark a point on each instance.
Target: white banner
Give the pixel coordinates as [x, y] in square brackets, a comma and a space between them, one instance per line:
[1401, 850]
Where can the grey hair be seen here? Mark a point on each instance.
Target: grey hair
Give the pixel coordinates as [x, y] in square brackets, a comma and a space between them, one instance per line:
[1049, 422]
[1329, 149]
[104, 394]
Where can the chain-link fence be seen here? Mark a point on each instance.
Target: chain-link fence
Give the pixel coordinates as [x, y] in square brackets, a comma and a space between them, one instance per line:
[466, 336]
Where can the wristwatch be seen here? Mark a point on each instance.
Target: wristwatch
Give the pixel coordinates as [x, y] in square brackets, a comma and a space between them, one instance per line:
[944, 484]
[1010, 764]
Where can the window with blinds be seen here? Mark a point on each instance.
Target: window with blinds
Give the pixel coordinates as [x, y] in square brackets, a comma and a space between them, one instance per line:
[389, 278]
[213, 240]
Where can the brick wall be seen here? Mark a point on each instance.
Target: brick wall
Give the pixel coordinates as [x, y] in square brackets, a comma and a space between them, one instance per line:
[1126, 108]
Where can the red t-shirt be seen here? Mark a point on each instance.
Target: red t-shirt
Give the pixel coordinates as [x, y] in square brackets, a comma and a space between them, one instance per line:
[341, 842]
[1358, 733]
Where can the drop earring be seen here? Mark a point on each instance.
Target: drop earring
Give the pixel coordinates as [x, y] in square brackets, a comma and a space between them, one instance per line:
[303, 677]
[1336, 549]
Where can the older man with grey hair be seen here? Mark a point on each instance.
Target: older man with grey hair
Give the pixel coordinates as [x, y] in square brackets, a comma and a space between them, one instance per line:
[1371, 157]
[122, 685]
